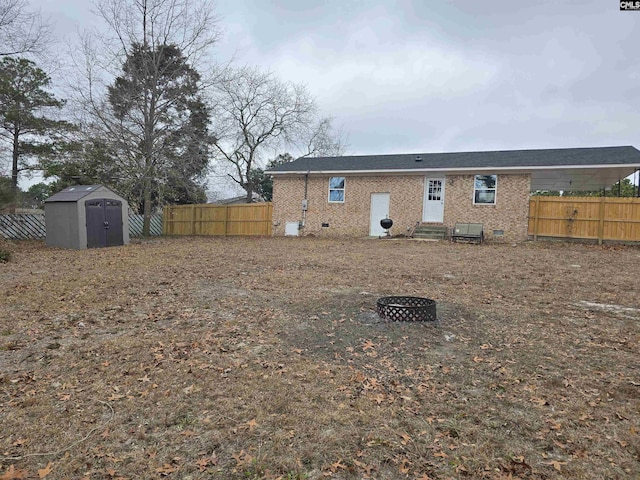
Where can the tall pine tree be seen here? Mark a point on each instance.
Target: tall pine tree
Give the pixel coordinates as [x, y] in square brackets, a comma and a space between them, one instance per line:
[159, 126]
[25, 110]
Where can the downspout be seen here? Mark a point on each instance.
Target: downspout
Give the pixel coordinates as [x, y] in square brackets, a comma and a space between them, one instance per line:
[305, 202]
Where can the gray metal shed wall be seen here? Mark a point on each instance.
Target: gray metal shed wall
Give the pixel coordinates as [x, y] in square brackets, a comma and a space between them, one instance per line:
[61, 220]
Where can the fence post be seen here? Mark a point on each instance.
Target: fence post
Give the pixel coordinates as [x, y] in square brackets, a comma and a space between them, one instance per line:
[226, 217]
[193, 219]
[165, 220]
[536, 215]
[601, 220]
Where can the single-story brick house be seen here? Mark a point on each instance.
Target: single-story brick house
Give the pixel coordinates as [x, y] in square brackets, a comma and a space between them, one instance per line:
[347, 196]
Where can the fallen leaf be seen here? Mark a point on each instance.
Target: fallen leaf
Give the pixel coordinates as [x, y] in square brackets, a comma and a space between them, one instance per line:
[167, 469]
[252, 424]
[367, 468]
[12, 474]
[557, 465]
[368, 345]
[43, 472]
[338, 465]
[203, 463]
[405, 466]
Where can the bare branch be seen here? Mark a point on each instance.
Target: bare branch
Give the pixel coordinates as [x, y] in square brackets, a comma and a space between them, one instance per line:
[22, 31]
[256, 113]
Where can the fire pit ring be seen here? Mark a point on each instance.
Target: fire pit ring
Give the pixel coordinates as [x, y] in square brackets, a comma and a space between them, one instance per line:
[406, 309]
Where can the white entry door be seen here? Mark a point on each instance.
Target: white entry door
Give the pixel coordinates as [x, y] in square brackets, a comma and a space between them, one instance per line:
[433, 210]
[379, 210]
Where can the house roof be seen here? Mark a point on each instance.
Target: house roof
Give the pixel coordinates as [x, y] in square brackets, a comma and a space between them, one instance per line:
[551, 169]
[74, 193]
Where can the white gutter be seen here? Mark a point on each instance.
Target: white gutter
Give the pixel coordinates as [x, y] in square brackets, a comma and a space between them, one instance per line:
[459, 169]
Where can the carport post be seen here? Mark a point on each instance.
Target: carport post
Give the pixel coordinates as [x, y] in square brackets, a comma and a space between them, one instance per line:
[536, 216]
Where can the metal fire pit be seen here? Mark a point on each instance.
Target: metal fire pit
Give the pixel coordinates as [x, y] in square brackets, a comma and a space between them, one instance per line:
[406, 309]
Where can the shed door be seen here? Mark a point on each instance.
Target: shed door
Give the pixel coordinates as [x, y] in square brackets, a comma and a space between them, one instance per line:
[95, 224]
[379, 210]
[113, 222]
[104, 223]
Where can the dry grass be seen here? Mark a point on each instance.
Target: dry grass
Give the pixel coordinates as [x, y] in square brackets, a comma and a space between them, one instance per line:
[198, 358]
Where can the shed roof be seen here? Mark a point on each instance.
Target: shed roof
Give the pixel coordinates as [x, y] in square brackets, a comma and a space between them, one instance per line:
[75, 193]
[522, 159]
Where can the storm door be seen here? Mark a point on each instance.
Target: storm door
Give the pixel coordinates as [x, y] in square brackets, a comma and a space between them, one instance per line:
[433, 210]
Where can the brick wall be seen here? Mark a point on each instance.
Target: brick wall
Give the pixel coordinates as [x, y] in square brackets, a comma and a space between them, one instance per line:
[510, 213]
[406, 192]
[350, 218]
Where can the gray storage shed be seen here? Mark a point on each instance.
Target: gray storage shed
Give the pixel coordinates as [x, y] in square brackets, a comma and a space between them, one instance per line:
[86, 216]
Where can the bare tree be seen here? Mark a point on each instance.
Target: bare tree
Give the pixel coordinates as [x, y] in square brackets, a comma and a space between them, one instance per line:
[141, 87]
[321, 139]
[22, 31]
[255, 113]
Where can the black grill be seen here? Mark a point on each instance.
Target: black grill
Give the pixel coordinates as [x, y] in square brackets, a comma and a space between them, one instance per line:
[406, 309]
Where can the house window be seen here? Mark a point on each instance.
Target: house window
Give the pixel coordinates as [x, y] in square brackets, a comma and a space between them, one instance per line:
[484, 189]
[336, 190]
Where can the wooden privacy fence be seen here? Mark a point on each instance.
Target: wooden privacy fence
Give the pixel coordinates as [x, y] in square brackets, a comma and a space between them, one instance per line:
[598, 218]
[245, 219]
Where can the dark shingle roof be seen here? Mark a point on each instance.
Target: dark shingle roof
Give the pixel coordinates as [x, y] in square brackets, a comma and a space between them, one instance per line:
[579, 157]
[73, 193]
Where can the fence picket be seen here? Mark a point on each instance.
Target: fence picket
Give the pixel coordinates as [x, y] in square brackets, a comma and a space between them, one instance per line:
[595, 218]
[244, 219]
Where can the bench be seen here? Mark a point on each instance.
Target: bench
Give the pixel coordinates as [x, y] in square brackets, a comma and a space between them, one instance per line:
[468, 231]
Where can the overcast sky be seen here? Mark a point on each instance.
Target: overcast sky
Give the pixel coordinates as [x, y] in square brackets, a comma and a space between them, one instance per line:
[434, 76]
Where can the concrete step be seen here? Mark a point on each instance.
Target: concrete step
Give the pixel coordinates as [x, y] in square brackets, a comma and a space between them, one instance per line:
[430, 236]
[435, 232]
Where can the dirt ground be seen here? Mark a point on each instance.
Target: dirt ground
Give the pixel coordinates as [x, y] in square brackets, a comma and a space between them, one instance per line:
[252, 358]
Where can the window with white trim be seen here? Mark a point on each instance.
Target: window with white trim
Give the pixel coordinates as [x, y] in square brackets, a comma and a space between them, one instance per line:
[484, 189]
[336, 190]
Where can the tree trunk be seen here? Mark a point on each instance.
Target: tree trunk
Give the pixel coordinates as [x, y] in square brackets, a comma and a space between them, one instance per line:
[146, 222]
[15, 154]
[248, 186]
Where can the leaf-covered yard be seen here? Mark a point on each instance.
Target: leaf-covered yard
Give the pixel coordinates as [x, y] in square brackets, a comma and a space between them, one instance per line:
[194, 358]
